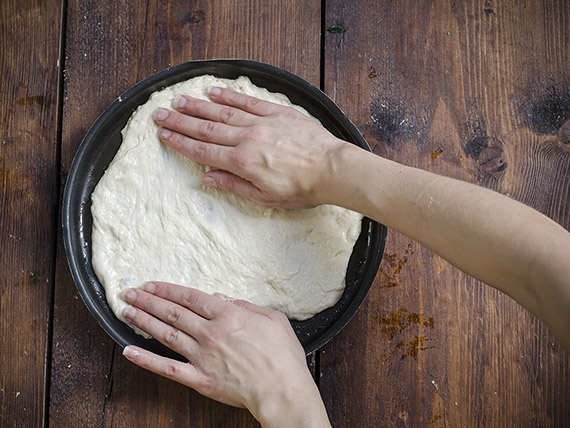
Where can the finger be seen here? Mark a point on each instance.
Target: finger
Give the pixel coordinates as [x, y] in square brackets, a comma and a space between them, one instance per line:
[178, 371]
[198, 129]
[203, 304]
[168, 335]
[233, 183]
[244, 102]
[211, 111]
[214, 155]
[184, 373]
[166, 310]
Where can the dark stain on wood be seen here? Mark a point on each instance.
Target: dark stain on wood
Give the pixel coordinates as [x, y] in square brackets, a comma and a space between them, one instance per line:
[475, 146]
[436, 418]
[478, 138]
[392, 120]
[392, 266]
[396, 322]
[436, 153]
[549, 112]
[413, 347]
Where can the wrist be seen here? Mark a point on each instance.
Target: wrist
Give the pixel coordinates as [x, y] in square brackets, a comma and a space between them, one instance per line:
[346, 178]
[291, 405]
[334, 170]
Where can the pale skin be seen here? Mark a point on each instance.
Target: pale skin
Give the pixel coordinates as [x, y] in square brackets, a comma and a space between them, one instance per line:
[248, 356]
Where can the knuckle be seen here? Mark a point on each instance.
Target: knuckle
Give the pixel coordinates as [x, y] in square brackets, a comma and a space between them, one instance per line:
[171, 337]
[232, 319]
[214, 336]
[200, 151]
[258, 134]
[170, 370]
[174, 140]
[145, 361]
[189, 299]
[234, 98]
[226, 115]
[251, 102]
[173, 315]
[206, 129]
[242, 160]
[146, 304]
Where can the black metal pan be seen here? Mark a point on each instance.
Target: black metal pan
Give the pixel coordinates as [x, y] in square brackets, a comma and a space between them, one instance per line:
[102, 142]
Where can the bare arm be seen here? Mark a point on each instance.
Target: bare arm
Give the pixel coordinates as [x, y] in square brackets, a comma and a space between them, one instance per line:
[489, 236]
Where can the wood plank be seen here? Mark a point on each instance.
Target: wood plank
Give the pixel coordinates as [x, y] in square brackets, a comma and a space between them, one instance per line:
[476, 91]
[111, 45]
[29, 55]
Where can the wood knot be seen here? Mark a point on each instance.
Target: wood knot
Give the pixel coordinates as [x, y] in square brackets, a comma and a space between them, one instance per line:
[491, 160]
[487, 152]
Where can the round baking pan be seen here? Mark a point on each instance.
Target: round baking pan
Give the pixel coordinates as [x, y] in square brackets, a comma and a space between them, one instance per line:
[102, 142]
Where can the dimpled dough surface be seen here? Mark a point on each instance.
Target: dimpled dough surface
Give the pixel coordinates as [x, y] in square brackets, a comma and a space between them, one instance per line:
[153, 220]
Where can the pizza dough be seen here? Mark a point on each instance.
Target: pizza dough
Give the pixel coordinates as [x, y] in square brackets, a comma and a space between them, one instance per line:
[153, 220]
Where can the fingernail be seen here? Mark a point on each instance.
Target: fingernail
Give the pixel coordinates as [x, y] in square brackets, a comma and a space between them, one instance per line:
[149, 287]
[180, 101]
[129, 351]
[224, 297]
[164, 133]
[214, 90]
[161, 114]
[208, 181]
[129, 312]
[130, 296]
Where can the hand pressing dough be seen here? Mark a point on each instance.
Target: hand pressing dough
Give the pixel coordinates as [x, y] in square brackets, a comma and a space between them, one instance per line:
[153, 220]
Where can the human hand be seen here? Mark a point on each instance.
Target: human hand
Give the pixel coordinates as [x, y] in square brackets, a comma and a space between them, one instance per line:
[271, 154]
[239, 353]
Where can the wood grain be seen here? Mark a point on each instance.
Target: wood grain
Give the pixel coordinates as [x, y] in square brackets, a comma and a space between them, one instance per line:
[110, 46]
[476, 91]
[28, 203]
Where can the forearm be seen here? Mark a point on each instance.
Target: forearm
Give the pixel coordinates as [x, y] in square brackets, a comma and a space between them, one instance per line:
[487, 235]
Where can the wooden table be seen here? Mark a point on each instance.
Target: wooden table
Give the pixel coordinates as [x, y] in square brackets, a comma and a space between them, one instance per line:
[477, 90]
